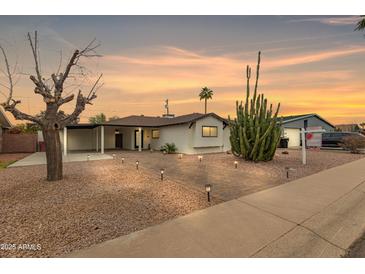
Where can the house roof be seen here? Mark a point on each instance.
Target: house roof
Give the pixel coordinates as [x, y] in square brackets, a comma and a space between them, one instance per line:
[4, 121]
[151, 121]
[292, 118]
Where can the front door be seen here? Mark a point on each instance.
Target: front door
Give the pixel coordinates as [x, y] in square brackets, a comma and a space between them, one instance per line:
[119, 141]
[137, 139]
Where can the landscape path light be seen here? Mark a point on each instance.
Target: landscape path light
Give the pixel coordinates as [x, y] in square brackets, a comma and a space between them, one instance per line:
[287, 171]
[122, 160]
[88, 157]
[114, 157]
[235, 164]
[200, 157]
[137, 164]
[161, 173]
[208, 188]
[180, 156]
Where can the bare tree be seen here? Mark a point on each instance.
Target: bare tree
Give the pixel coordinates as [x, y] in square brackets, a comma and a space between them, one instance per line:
[52, 120]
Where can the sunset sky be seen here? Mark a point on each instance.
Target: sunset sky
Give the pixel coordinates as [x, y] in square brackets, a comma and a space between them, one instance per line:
[310, 64]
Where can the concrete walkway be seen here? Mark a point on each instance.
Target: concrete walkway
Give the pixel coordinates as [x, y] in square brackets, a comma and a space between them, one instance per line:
[39, 158]
[316, 216]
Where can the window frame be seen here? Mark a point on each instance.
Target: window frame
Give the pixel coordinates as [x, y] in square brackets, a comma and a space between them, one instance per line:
[158, 134]
[210, 136]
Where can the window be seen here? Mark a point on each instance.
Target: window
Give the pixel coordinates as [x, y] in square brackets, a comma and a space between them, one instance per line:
[208, 131]
[155, 134]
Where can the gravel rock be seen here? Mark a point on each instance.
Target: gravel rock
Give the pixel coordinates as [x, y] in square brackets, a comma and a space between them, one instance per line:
[96, 201]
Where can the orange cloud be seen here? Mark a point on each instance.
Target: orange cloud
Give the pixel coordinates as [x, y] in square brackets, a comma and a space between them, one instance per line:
[137, 83]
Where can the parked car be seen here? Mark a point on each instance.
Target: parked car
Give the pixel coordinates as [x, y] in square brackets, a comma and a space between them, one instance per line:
[334, 139]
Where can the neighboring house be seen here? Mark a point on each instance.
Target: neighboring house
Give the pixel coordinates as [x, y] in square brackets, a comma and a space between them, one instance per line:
[192, 133]
[4, 125]
[292, 124]
[348, 127]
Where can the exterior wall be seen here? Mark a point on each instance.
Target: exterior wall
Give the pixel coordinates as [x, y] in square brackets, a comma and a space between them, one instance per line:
[80, 139]
[190, 140]
[226, 141]
[294, 136]
[13, 143]
[181, 135]
[199, 141]
[312, 122]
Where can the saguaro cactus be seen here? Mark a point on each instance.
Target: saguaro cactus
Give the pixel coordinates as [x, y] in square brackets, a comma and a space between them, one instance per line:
[255, 132]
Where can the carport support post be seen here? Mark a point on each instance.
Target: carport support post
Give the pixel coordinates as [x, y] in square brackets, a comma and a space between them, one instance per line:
[65, 141]
[140, 139]
[97, 139]
[102, 140]
[304, 153]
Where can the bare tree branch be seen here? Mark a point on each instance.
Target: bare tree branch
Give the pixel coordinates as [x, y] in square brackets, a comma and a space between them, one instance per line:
[81, 102]
[41, 87]
[9, 75]
[10, 103]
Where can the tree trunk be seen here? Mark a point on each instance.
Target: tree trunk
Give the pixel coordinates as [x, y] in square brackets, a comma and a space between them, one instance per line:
[53, 154]
[205, 106]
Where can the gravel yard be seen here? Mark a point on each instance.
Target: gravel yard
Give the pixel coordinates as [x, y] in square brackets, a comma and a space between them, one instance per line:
[229, 183]
[101, 200]
[96, 201]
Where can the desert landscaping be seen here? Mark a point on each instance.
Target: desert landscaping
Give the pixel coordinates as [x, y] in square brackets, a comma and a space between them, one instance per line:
[101, 200]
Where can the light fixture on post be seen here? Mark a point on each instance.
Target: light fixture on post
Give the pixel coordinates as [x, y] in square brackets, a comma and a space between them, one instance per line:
[114, 156]
[161, 173]
[200, 157]
[122, 160]
[137, 164]
[208, 188]
[88, 157]
[180, 156]
[235, 164]
[287, 171]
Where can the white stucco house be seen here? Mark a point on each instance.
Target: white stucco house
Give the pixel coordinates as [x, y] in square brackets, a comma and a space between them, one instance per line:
[192, 134]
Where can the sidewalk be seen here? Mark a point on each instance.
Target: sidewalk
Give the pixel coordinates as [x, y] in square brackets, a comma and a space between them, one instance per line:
[39, 158]
[315, 216]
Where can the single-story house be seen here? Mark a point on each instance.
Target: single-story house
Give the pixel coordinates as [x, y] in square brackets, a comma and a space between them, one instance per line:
[292, 125]
[192, 134]
[4, 125]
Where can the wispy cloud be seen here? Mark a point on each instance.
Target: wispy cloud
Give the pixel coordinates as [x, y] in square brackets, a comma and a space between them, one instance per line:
[336, 21]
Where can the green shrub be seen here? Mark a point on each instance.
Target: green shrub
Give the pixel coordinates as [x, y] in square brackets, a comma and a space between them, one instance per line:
[169, 148]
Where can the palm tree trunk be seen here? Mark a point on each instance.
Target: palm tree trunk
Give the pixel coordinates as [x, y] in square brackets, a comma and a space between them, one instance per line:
[206, 105]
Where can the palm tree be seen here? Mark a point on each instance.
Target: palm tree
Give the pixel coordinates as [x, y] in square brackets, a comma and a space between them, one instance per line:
[361, 24]
[206, 94]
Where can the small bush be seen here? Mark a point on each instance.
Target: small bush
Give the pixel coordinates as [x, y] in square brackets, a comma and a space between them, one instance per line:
[169, 148]
[353, 143]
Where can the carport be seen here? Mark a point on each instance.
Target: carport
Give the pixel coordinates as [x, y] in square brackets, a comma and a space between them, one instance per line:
[99, 137]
